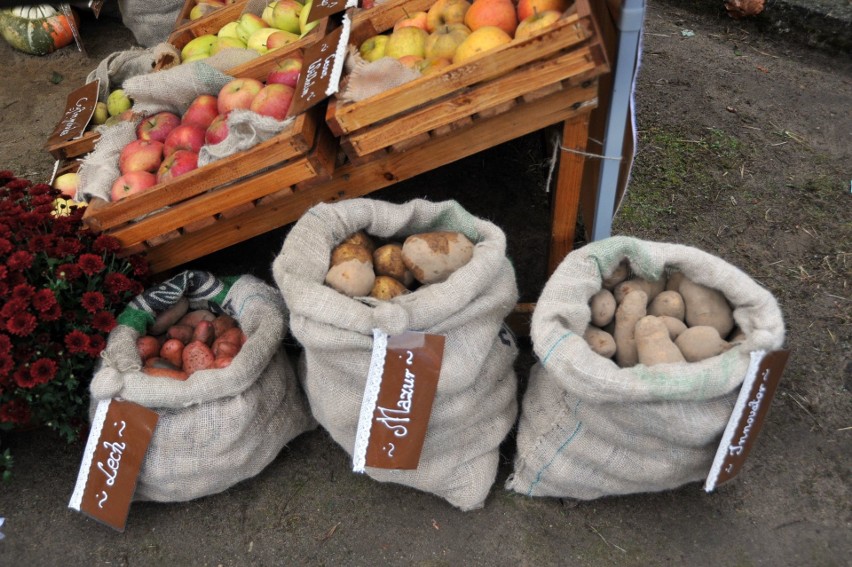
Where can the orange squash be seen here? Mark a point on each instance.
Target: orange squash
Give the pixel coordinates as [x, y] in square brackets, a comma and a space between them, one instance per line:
[37, 30]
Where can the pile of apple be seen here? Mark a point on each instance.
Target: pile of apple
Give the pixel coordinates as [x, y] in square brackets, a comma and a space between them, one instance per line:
[282, 23]
[204, 7]
[167, 145]
[453, 31]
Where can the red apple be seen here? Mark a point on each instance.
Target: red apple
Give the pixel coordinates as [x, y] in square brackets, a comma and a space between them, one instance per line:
[286, 72]
[217, 131]
[175, 165]
[131, 183]
[201, 111]
[498, 13]
[237, 94]
[184, 137]
[68, 183]
[415, 20]
[140, 155]
[273, 100]
[527, 8]
[157, 127]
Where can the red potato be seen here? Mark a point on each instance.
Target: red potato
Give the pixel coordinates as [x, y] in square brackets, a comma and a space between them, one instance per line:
[169, 317]
[166, 373]
[183, 333]
[159, 362]
[222, 323]
[197, 356]
[222, 362]
[173, 352]
[204, 332]
[225, 348]
[147, 346]
[234, 335]
[193, 318]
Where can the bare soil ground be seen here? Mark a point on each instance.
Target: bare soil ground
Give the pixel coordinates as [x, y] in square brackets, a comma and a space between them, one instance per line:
[744, 152]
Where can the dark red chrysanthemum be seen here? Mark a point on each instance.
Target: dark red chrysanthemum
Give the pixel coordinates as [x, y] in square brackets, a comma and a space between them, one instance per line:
[4, 271]
[5, 246]
[43, 300]
[43, 204]
[69, 272]
[96, 344]
[18, 184]
[40, 243]
[106, 243]
[52, 314]
[24, 292]
[12, 308]
[40, 189]
[91, 264]
[5, 344]
[15, 411]
[103, 321]
[43, 370]
[140, 266]
[20, 260]
[77, 342]
[117, 283]
[68, 247]
[21, 324]
[93, 301]
[21, 377]
[7, 363]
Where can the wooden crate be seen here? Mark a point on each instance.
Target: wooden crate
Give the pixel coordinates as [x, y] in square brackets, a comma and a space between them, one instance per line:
[201, 198]
[567, 55]
[74, 148]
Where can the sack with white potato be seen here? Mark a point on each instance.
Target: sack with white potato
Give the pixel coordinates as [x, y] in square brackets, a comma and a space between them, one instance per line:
[228, 412]
[475, 404]
[643, 410]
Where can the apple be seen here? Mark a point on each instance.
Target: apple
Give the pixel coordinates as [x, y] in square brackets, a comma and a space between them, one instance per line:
[273, 100]
[228, 30]
[67, 183]
[118, 102]
[257, 40]
[499, 13]
[101, 113]
[177, 164]
[217, 131]
[158, 126]
[416, 20]
[126, 116]
[132, 183]
[279, 39]
[409, 40]
[285, 16]
[197, 57]
[444, 12]
[304, 25]
[201, 111]
[184, 137]
[411, 61]
[204, 7]
[237, 94]
[286, 71]
[140, 155]
[374, 47]
[536, 23]
[429, 66]
[443, 42]
[198, 46]
[527, 8]
[227, 43]
[266, 15]
[247, 24]
[479, 41]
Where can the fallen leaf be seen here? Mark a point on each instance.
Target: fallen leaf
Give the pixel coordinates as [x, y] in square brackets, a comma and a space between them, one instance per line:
[56, 78]
[764, 69]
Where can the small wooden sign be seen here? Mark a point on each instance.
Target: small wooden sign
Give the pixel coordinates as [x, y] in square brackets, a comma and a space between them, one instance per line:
[79, 108]
[399, 414]
[323, 66]
[324, 8]
[748, 416]
[119, 438]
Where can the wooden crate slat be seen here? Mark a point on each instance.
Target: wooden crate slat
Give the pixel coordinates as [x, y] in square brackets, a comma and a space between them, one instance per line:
[73, 148]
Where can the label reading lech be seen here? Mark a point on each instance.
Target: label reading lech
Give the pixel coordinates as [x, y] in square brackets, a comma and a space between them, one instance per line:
[79, 108]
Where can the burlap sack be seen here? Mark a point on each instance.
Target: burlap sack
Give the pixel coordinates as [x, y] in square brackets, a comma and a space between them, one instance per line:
[365, 79]
[151, 21]
[220, 426]
[589, 428]
[475, 404]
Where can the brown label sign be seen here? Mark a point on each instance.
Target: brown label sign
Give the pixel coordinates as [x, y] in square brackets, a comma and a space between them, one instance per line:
[79, 108]
[121, 433]
[323, 8]
[320, 70]
[748, 417]
[401, 416]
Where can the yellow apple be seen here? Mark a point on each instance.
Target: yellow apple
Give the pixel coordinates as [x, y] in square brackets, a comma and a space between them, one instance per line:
[527, 8]
[101, 113]
[197, 46]
[445, 12]
[68, 183]
[247, 24]
[479, 41]
[257, 40]
[536, 23]
[443, 42]
[407, 41]
[226, 43]
[373, 48]
[304, 25]
[229, 30]
[266, 15]
[429, 66]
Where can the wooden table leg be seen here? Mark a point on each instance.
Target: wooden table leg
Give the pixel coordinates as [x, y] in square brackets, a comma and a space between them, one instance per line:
[566, 196]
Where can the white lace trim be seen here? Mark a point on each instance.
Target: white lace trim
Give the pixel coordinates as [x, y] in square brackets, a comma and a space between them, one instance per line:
[371, 397]
[88, 454]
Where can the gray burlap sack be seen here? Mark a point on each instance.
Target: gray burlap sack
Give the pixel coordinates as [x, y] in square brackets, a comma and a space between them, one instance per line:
[475, 404]
[365, 79]
[589, 428]
[151, 21]
[117, 67]
[220, 426]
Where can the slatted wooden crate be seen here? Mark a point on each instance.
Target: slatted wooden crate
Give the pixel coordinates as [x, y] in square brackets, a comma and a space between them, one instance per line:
[74, 148]
[567, 57]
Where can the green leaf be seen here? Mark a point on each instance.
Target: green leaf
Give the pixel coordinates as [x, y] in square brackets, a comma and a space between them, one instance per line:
[56, 78]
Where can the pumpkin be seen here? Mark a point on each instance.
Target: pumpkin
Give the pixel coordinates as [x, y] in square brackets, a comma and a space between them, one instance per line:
[37, 30]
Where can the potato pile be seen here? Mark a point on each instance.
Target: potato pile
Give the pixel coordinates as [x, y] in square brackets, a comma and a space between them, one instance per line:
[638, 321]
[359, 268]
[181, 342]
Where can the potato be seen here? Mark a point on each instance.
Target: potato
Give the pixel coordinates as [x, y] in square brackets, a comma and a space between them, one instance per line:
[698, 343]
[169, 317]
[352, 277]
[222, 362]
[222, 323]
[600, 341]
[387, 261]
[386, 288]
[433, 256]
[673, 282]
[204, 332]
[668, 303]
[157, 362]
[166, 373]
[197, 356]
[347, 251]
[148, 347]
[617, 276]
[225, 348]
[631, 309]
[360, 238]
[706, 306]
[234, 335]
[193, 318]
[651, 288]
[653, 345]
[172, 351]
[675, 326]
[183, 333]
[603, 308]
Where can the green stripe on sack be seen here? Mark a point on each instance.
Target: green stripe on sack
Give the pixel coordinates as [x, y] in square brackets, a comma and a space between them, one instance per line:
[136, 319]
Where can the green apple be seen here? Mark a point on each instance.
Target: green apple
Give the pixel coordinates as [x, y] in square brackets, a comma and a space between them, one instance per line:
[118, 102]
[201, 44]
[257, 40]
[101, 113]
[407, 41]
[304, 25]
[443, 42]
[374, 47]
[229, 30]
[247, 24]
[196, 57]
[266, 15]
[285, 16]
